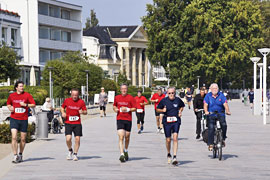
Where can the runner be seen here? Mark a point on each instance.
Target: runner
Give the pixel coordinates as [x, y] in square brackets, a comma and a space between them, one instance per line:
[71, 110]
[123, 105]
[156, 98]
[172, 108]
[19, 103]
[140, 112]
[189, 97]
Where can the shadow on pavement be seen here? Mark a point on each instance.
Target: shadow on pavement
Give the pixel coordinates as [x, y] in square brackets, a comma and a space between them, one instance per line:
[138, 158]
[185, 162]
[38, 159]
[182, 139]
[88, 157]
[228, 156]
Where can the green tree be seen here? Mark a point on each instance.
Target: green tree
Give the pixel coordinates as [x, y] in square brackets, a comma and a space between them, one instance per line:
[122, 79]
[91, 21]
[210, 38]
[265, 8]
[69, 72]
[8, 64]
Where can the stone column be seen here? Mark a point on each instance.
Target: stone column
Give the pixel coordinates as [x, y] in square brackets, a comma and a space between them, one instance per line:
[146, 72]
[140, 67]
[121, 54]
[133, 66]
[127, 62]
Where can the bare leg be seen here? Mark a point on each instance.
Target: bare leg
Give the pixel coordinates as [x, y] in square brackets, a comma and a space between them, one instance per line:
[139, 126]
[121, 134]
[168, 144]
[68, 141]
[175, 143]
[77, 144]
[23, 141]
[101, 113]
[158, 122]
[14, 143]
[127, 139]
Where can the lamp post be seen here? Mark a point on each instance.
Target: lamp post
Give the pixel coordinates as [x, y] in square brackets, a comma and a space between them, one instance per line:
[256, 108]
[198, 81]
[116, 76]
[264, 52]
[50, 82]
[87, 100]
[261, 73]
[168, 78]
[143, 81]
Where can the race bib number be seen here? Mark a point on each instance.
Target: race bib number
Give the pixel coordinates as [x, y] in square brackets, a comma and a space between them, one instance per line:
[73, 118]
[20, 110]
[171, 119]
[139, 110]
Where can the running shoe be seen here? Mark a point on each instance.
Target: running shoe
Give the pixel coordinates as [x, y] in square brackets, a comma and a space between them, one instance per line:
[140, 132]
[142, 128]
[15, 159]
[122, 158]
[75, 157]
[198, 136]
[162, 131]
[69, 156]
[174, 161]
[169, 159]
[126, 156]
[158, 130]
[20, 158]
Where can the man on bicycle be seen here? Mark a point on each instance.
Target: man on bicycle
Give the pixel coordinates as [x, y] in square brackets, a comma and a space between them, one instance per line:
[197, 105]
[214, 102]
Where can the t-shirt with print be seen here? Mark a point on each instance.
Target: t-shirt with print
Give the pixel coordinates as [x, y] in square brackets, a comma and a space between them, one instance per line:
[20, 112]
[158, 97]
[124, 101]
[72, 110]
[139, 100]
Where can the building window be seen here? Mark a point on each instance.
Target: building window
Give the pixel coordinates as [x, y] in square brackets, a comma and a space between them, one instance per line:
[44, 33]
[55, 55]
[54, 11]
[65, 14]
[55, 34]
[113, 53]
[66, 36]
[4, 35]
[43, 9]
[13, 37]
[44, 56]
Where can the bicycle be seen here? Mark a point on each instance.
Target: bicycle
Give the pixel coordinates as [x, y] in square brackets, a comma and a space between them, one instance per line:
[218, 138]
[203, 120]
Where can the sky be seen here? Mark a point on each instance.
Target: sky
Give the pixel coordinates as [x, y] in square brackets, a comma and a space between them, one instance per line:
[114, 12]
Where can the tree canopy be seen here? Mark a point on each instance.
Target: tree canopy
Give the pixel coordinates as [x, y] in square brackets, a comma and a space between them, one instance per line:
[91, 21]
[208, 38]
[8, 64]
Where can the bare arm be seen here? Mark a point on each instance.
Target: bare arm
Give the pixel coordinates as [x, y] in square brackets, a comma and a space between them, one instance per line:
[180, 111]
[11, 108]
[27, 105]
[84, 112]
[132, 109]
[205, 107]
[227, 110]
[64, 115]
[115, 109]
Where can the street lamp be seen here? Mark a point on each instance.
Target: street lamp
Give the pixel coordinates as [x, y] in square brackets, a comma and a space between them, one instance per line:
[116, 76]
[50, 82]
[261, 72]
[256, 108]
[198, 81]
[255, 60]
[143, 80]
[87, 100]
[264, 52]
[168, 78]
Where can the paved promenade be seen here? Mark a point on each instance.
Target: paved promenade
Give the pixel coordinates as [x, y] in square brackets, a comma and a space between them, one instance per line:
[246, 156]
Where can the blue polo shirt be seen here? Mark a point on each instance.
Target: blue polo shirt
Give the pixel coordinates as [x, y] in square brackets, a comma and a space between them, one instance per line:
[215, 103]
[172, 107]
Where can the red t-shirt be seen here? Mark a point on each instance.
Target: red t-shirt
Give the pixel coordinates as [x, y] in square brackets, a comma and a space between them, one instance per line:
[72, 110]
[156, 96]
[14, 99]
[140, 100]
[124, 101]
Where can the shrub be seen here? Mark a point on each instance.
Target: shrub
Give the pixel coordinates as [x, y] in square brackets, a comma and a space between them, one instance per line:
[5, 134]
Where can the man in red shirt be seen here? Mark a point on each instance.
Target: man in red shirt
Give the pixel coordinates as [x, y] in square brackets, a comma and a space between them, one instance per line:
[140, 102]
[156, 98]
[19, 103]
[71, 110]
[123, 105]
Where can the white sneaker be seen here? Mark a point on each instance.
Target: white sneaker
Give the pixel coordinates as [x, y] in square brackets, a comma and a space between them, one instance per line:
[75, 157]
[69, 156]
[15, 159]
[158, 130]
[162, 131]
[20, 158]
[169, 159]
[175, 162]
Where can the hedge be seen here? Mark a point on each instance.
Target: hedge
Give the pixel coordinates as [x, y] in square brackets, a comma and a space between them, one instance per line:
[5, 134]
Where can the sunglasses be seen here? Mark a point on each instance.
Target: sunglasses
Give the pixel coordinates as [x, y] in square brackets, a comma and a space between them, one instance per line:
[171, 93]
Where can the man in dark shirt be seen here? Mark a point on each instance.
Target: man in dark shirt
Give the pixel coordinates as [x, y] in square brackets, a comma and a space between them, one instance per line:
[251, 97]
[198, 105]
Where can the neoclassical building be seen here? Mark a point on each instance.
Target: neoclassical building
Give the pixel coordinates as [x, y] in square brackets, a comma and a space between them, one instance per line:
[130, 57]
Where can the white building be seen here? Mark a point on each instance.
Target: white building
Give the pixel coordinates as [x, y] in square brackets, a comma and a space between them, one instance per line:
[10, 32]
[49, 29]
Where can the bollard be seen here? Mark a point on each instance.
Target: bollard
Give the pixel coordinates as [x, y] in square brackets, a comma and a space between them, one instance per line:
[42, 125]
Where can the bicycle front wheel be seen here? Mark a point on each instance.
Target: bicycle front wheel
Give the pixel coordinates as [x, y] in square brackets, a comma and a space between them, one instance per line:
[220, 139]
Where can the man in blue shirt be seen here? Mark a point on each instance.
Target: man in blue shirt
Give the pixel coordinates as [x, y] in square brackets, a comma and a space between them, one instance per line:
[215, 101]
[172, 108]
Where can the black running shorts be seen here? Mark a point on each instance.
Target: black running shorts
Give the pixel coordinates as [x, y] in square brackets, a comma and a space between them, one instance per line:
[124, 124]
[20, 125]
[75, 128]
